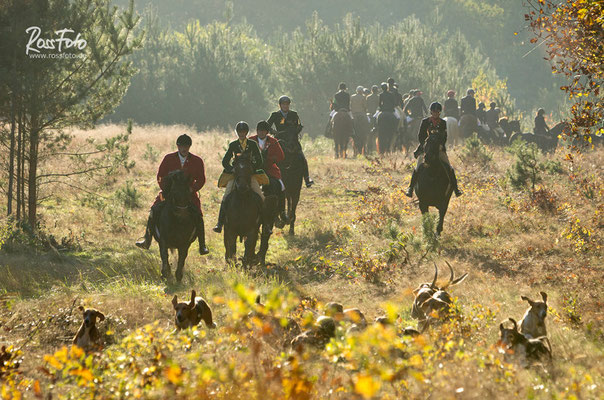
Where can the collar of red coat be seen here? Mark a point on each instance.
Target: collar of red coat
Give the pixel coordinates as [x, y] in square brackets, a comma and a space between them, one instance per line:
[270, 139]
[190, 156]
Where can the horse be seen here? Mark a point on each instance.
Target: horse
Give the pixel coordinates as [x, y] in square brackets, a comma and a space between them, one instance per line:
[362, 128]
[433, 187]
[292, 172]
[342, 129]
[243, 212]
[387, 128]
[453, 131]
[468, 124]
[545, 143]
[175, 227]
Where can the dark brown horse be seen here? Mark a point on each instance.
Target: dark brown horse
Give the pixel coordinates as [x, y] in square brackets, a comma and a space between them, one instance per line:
[292, 172]
[433, 187]
[243, 212]
[175, 225]
[343, 129]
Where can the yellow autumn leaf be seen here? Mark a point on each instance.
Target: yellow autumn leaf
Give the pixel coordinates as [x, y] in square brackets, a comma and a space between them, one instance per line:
[416, 361]
[53, 362]
[173, 374]
[366, 386]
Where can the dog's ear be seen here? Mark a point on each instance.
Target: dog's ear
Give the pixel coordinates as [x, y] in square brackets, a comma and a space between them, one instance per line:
[81, 308]
[100, 316]
[544, 296]
[527, 299]
[193, 294]
[514, 322]
[501, 328]
[174, 301]
[258, 299]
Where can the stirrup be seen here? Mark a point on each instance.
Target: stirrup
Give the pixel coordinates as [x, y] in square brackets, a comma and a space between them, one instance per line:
[409, 192]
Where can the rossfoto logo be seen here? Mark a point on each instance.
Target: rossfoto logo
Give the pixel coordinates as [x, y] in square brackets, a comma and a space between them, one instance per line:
[63, 41]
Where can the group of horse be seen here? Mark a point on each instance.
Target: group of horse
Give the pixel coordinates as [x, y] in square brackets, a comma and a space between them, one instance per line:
[387, 133]
[246, 217]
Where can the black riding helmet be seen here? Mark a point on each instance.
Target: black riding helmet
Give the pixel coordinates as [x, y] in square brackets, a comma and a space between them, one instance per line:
[263, 126]
[184, 140]
[436, 106]
[384, 86]
[284, 99]
[242, 126]
[342, 86]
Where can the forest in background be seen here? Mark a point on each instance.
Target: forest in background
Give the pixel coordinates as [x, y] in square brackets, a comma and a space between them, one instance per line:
[204, 59]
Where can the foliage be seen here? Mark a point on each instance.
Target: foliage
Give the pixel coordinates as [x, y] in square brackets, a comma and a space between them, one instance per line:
[475, 152]
[201, 74]
[572, 32]
[525, 170]
[151, 154]
[128, 196]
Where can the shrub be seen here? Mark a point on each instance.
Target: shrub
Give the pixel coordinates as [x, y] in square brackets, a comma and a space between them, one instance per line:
[128, 196]
[475, 152]
[151, 154]
[525, 170]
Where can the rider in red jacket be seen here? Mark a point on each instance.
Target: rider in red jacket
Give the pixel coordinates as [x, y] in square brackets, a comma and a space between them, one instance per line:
[272, 153]
[194, 168]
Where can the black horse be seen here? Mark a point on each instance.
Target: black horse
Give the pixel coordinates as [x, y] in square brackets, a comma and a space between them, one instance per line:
[433, 186]
[292, 173]
[243, 212]
[176, 225]
[387, 129]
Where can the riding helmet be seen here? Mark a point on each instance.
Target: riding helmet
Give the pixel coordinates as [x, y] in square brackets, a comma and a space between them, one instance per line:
[360, 89]
[342, 86]
[263, 126]
[436, 106]
[390, 81]
[284, 99]
[451, 93]
[493, 104]
[470, 91]
[374, 88]
[384, 86]
[242, 126]
[184, 140]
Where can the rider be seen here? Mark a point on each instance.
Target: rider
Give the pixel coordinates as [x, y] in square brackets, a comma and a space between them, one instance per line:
[492, 119]
[373, 100]
[393, 87]
[358, 102]
[387, 101]
[541, 127]
[481, 113]
[285, 119]
[468, 103]
[451, 106]
[416, 108]
[341, 100]
[193, 167]
[238, 147]
[271, 154]
[433, 125]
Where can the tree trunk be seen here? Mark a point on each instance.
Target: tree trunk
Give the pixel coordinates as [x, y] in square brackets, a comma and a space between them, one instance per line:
[32, 196]
[19, 171]
[11, 165]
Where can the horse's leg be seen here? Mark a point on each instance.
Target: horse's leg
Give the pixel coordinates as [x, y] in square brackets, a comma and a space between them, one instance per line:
[230, 245]
[295, 199]
[165, 262]
[250, 248]
[182, 256]
[442, 211]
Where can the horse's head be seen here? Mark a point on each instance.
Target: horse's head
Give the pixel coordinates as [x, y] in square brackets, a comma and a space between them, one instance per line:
[288, 142]
[515, 125]
[178, 190]
[432, 149]
[243, 171]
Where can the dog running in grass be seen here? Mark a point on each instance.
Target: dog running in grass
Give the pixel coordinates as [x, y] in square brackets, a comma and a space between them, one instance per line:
[88, 336]
[192, 313]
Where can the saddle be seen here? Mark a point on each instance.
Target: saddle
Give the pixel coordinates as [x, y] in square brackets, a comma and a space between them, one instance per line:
[226, 177]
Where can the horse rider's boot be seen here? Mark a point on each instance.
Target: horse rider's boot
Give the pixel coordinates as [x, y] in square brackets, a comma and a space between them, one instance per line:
[146, 242]
[218, 227]
[201, 234]
[309, 182]
[409, 192]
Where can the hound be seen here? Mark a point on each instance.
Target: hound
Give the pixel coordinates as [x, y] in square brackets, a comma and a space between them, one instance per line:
[190, 314]
[533, 321]
[88, 335]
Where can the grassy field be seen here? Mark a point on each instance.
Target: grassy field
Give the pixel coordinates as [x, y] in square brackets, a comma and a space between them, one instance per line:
[359, 241]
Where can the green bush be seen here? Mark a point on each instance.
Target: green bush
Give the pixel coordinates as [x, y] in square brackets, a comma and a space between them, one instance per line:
[474, 151]
[128, 196]
[525, 170]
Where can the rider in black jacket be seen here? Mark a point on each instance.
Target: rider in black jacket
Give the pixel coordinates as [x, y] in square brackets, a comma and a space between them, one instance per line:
[433, 125]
